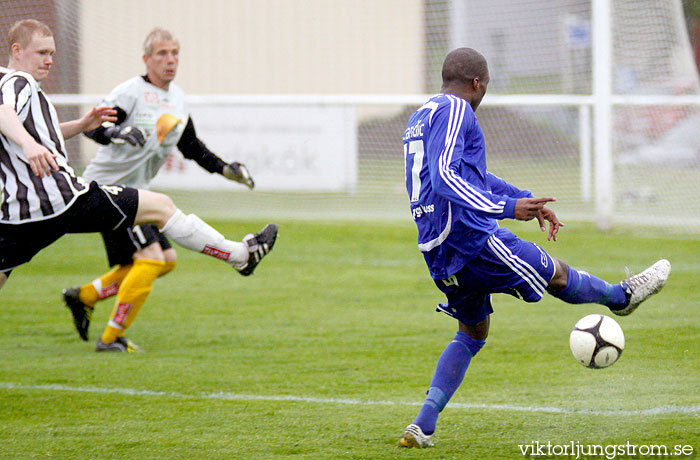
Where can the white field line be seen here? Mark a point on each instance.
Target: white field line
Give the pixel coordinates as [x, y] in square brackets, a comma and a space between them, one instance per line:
[224, 396]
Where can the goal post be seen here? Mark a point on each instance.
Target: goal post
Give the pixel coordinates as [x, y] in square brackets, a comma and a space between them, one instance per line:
[602, 93]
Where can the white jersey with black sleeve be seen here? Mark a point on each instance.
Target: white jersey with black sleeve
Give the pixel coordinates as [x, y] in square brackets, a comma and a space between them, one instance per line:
[162, 116]
[27, 197]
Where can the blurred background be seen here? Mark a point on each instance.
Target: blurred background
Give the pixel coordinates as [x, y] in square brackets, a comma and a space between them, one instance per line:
[595, 102]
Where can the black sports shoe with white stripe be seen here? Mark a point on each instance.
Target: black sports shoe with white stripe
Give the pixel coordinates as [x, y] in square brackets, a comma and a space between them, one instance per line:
[259, 245]
[82, 313]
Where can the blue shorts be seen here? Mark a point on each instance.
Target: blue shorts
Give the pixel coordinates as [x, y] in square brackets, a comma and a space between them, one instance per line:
[507, 265]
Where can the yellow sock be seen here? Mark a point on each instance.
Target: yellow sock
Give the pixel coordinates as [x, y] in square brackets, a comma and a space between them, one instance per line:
[105, 286]
[132, 294]
[111, 333]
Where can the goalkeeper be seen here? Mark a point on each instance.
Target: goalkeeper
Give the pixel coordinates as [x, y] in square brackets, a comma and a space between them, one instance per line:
[152, 119]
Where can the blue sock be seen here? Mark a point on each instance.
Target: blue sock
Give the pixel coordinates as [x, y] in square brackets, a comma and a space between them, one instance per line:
[582, 287]
[451, 367]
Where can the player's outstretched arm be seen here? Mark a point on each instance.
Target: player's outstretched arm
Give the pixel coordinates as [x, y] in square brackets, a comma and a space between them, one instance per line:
[193, 148]
[91, 120]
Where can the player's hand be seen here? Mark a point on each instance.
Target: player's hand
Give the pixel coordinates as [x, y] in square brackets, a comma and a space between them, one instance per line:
[130, 134]
[529, 208]
[547, 215]
[239, 173]
[96, 116]
[40, 159]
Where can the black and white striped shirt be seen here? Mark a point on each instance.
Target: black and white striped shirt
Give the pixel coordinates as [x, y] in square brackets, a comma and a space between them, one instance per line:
[25, 196]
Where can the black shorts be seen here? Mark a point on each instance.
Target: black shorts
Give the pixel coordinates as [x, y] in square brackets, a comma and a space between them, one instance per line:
[121, 244]
[102, 209]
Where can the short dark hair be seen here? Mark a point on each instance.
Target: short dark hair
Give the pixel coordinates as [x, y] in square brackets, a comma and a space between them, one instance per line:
[463, 65]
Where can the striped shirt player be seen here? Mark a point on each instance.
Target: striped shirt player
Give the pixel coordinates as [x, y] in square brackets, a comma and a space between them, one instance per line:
[27, 197]
[456, 204]
[37, 209]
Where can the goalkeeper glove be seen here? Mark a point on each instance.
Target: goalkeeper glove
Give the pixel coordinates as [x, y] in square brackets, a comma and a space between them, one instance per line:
[238, 172]
[130, 134]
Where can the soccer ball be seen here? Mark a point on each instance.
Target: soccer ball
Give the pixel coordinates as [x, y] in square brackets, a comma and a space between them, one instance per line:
[597, 341]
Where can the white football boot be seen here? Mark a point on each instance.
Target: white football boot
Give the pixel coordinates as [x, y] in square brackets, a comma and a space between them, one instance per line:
[414, 437]
[645, 284]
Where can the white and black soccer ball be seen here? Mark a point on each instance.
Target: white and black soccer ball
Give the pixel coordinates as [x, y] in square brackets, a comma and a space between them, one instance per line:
[597, 341]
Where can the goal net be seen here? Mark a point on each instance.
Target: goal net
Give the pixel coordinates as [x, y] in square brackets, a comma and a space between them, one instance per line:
[314, 96]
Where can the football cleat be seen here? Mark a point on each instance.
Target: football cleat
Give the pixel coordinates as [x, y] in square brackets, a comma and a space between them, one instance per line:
[643, 285]
[259, 245]
[82, 312]
[414, 437]
[121, 345]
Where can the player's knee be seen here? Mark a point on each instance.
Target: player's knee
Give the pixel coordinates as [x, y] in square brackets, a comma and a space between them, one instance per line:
[479, 331]
[154, 208]
[170, 255]
[170, 261]
[560, 278]
[151, 252]
[3, 278]
[471, 344]
[165, 204]
[167, 268]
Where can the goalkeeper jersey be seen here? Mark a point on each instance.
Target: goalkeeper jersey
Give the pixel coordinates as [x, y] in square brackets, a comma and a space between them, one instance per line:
[161, 114]
[454, 200]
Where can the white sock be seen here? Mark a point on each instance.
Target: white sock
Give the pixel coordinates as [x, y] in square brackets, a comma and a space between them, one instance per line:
[191, 232]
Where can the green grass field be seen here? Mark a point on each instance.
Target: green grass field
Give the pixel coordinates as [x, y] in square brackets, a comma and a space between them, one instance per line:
[327, 351]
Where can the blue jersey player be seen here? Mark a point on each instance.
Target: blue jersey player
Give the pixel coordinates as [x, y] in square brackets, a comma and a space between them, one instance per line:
[456, 204]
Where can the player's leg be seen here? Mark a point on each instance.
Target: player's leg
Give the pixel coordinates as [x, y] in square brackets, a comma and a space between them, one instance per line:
[472, 310]
[107, 285]
[133, 292]
[20, 243]
[193, 233]
[527, 271]
[448, 376]
[577, 286]
[119, 245]
[98, 289]
[170, 259]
